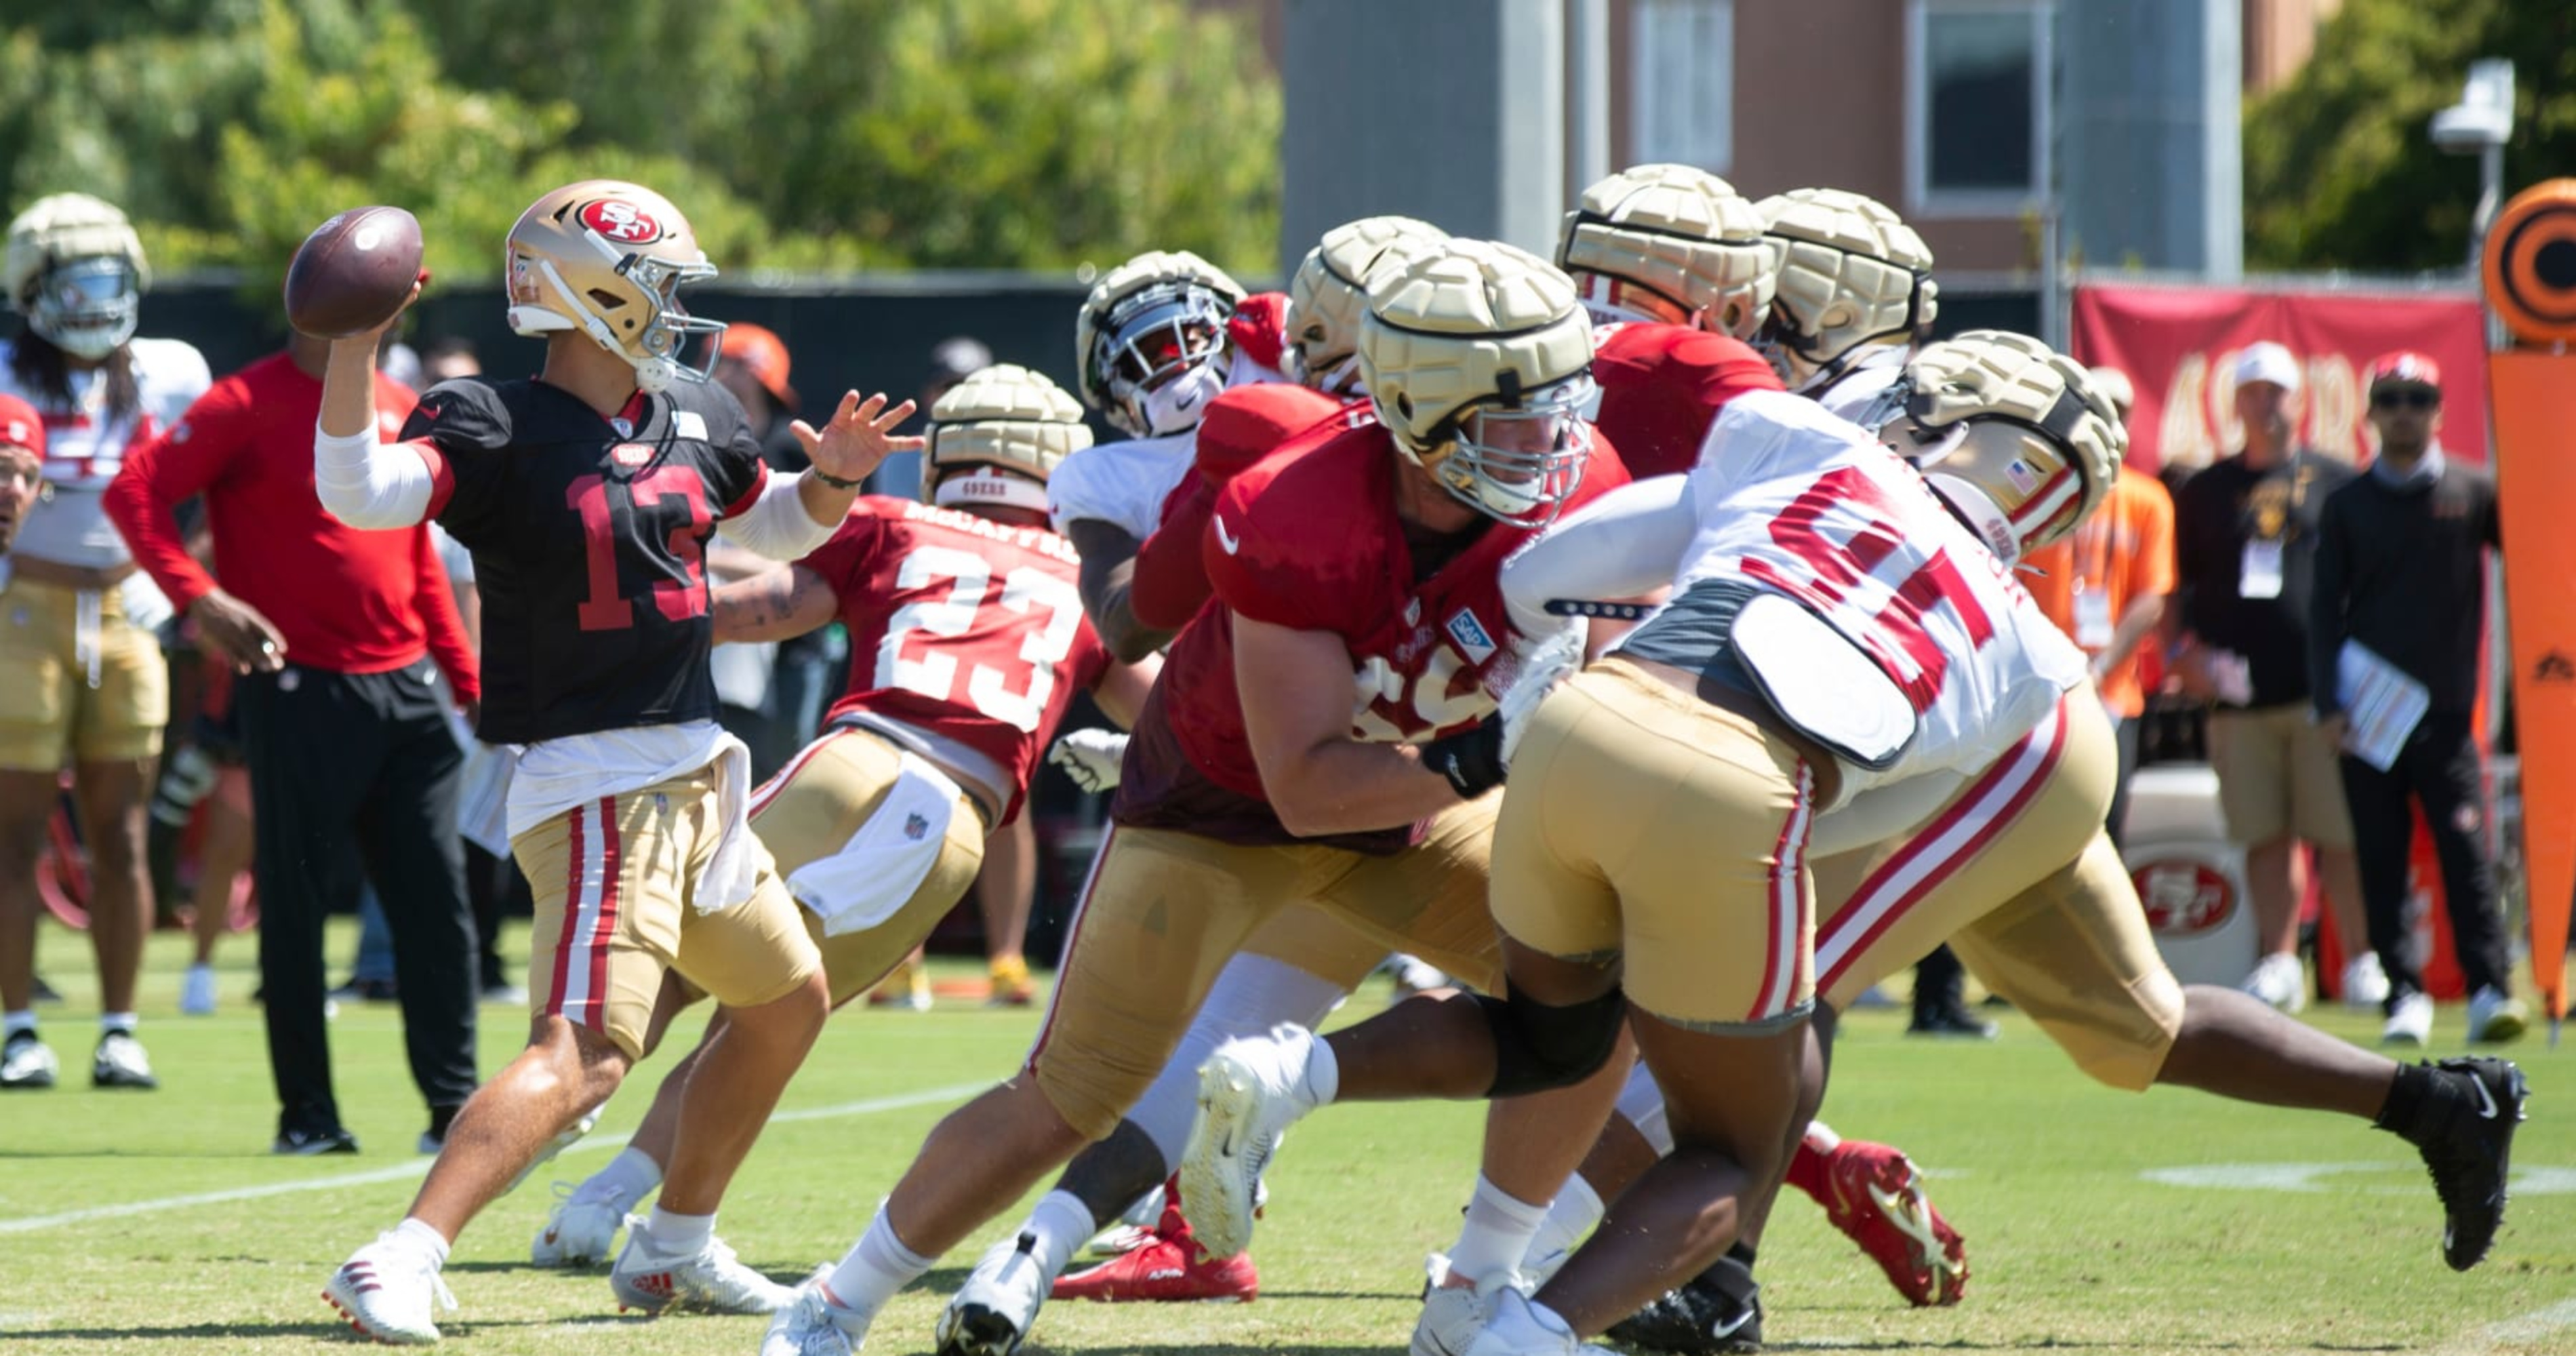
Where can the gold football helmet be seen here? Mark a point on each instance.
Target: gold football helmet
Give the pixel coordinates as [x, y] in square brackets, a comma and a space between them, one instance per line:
[1676, 242]
[996, 436]
[1479, 360]
[1849, 273]
[75, 268]
[2019, 439]
[1329, 296]
[609, 258]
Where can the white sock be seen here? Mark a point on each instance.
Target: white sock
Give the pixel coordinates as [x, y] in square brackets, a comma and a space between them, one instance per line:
[1057, 1227]
[628, 1178]
[116, 1021]
[877, 1266]
[1576, 1209]
[14, 1022]
[412, 1233]
[679, 1235]
[1323, 1072]
[1497, 1233]
[1821, 1137]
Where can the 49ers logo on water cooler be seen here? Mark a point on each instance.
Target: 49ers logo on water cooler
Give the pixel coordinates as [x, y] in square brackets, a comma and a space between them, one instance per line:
[623, 222]
[2183, 898]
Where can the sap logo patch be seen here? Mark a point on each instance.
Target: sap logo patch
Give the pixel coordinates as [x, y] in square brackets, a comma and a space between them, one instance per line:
[630, 454]
[1472, 638]
[689, 424]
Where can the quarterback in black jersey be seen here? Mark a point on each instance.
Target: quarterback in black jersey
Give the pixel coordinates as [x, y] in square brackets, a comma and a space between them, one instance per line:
[587, 495]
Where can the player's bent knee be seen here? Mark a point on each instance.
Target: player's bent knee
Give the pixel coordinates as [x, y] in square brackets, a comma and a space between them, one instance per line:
[1538, 1046]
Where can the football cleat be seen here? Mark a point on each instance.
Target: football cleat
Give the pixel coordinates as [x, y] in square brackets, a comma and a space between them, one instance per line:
[313, 1143]
[1452, 1315]
[577, 1233]
[1250, 1090]
[1010, 985]
[2470, 1154]
[2496, 1017]
[1522, 1326]
[27, 1062]
[1875, 1196]
[2410, 1021]
[2280, 981]
[1169, 1268]
[197, 992]
[386, 1289]
[1715, 1313]
[990, 1315]
[710, 1281]
[119, 1062]
[811, 1326]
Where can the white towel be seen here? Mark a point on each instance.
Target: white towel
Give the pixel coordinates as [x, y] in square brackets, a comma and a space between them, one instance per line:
[871, 877]
[557, 774]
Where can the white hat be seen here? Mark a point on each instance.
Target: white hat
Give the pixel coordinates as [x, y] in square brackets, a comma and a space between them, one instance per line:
[2267, 361]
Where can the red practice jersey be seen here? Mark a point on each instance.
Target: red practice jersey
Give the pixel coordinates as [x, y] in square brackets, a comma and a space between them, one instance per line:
[960, 627]
[1243, 425]
[1312, 542]
[1661, 389]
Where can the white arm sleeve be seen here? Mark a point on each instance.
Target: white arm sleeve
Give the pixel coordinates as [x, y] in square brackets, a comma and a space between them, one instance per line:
[1622, 544]
[777, 525]
[368, 485]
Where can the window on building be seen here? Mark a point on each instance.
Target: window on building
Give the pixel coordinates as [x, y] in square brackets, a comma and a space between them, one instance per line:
[1978, 104]
[1681, 63]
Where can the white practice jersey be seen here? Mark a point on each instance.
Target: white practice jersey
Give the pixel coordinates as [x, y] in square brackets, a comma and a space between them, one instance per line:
[1122, 483]
[1851, 391]
[85, 445]
[1801, 503]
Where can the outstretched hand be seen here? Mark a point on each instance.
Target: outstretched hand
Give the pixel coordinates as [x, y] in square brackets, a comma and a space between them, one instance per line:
[859, 436]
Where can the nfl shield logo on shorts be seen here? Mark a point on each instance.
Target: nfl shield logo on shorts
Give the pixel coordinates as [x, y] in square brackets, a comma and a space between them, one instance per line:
[916, 826]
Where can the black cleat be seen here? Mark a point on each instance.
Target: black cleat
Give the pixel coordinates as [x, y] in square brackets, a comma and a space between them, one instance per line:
[311, 1143]
[1717, 1311]
[2469, 1155]
[1952, 1019]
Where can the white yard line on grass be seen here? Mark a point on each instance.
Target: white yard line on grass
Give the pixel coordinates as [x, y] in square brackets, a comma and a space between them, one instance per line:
[2537, 1326]
[865, 1107]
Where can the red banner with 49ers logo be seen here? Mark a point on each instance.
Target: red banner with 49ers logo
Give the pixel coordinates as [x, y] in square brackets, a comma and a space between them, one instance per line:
[2178, 345]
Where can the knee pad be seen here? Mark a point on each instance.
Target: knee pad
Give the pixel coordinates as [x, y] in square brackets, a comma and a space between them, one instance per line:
[1538, 1046]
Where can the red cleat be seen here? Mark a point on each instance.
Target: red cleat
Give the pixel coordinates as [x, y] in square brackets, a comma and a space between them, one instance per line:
[1874, 1195]
[1170, 1267]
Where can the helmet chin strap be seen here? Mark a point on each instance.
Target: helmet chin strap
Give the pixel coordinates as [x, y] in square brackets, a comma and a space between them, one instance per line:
[652, 375]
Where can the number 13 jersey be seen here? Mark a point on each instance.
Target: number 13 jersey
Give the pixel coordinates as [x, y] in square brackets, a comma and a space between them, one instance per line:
[586, 534]
[960, 627]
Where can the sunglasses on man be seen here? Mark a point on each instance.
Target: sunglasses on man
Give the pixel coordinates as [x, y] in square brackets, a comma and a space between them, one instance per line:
[2405, 398]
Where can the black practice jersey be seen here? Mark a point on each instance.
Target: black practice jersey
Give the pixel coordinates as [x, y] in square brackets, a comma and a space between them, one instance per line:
[586, 534]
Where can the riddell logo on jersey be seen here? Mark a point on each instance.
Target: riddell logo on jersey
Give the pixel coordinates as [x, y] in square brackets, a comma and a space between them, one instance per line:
[630, 454]
[1472, 638]
[621, 221]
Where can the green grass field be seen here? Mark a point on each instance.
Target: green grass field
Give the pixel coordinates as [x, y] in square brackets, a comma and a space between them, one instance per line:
[158, 1223]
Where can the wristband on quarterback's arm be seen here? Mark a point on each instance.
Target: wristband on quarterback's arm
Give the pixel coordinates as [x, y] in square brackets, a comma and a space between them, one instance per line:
[777, 525]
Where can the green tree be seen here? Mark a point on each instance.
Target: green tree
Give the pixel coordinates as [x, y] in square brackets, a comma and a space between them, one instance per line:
[822, 136]
[2339, 171]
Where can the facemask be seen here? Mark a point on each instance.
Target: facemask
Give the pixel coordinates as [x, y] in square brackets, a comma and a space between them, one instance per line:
[1178, 405]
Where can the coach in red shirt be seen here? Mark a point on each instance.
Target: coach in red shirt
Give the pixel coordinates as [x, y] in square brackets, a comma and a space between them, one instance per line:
[336, 631]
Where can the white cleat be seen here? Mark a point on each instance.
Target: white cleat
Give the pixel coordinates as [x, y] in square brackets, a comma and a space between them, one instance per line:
[709, 1281]
[1452, 1315]
[2410, 1021]
[1250, 1091]
[991, 1314]
[2279, 980]
[1521, 1326]
[386, 1289]
[2365, 984]
[577, 1233]
[197, 992]
[811, 1326]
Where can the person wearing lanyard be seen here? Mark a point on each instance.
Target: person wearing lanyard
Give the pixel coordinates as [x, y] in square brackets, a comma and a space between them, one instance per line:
[2245, 533]
[2106, 587]
[82, 680]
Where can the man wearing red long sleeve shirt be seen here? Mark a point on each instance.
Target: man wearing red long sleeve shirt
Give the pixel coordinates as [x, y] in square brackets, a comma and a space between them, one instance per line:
[335, 631]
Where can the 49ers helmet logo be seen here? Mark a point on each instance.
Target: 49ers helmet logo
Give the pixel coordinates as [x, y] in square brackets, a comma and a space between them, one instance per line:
[623, 222]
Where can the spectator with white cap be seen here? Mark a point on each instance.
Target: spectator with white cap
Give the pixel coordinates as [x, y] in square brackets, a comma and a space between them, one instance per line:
[2245, 533]
[2401, 571]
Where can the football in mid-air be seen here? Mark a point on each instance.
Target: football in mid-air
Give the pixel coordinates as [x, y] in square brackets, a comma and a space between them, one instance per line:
[354, 272]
